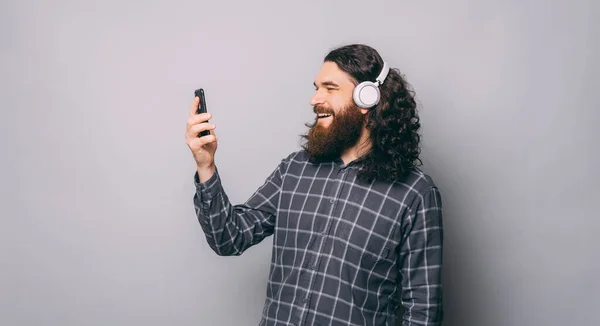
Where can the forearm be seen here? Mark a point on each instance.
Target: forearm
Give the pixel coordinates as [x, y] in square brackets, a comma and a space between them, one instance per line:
[422, 293]
[214, 217]
[231, 229]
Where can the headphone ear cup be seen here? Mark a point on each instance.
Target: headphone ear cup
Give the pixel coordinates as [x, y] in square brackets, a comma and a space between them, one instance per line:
[366, 95]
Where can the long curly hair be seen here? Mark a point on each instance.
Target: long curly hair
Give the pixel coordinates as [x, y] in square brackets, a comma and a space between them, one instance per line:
[393, 123]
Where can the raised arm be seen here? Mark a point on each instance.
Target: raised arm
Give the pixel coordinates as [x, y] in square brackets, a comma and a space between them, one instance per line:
[229, 229]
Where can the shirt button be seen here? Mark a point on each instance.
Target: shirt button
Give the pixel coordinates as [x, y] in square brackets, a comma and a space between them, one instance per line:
[305, 300]
[331, 200]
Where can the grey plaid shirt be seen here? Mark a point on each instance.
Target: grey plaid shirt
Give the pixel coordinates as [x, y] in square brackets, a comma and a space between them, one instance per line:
[341, 246]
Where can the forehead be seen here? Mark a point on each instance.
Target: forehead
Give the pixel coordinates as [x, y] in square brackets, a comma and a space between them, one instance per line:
[330, 72]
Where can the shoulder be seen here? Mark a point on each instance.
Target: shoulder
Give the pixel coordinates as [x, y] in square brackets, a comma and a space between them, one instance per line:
[293, 160]
[418, 181]
[299, 157]
[416, 187]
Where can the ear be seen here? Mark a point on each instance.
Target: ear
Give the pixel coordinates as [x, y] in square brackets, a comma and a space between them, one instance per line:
[364, 111]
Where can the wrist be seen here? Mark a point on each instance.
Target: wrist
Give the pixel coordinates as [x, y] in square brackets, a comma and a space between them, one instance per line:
[205, 172]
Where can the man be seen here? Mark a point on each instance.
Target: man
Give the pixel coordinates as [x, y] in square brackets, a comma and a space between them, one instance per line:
[351, 214]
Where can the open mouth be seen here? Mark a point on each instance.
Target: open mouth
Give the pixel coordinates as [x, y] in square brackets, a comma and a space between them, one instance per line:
[323, 115]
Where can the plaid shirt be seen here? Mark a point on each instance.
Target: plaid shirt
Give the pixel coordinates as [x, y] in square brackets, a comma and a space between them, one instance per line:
[341, 246]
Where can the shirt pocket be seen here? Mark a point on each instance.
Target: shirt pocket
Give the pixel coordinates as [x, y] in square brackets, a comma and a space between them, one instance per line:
[365, 242]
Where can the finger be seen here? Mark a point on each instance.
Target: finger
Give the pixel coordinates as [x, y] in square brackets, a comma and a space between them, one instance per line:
[194, 106]
[197, 128]
[196, 119]
[198, 143]
[202, 117]
[205, 140]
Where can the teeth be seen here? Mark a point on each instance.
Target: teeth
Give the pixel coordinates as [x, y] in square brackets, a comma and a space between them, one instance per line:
[323, 115]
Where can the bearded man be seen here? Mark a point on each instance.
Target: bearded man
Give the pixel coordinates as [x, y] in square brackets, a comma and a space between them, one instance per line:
[356, 225]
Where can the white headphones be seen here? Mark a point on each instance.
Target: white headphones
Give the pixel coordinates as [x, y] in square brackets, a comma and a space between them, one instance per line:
[366, 94]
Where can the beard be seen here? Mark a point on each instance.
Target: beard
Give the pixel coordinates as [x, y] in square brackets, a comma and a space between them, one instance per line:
[330, 142]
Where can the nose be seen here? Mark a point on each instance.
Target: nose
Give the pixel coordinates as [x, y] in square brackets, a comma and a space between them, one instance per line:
[317, 99]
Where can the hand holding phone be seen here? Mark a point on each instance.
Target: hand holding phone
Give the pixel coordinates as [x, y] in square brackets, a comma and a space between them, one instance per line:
[199, 137]
[201, 108]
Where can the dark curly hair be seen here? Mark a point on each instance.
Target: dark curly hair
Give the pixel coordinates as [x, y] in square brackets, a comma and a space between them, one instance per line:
[393, 123]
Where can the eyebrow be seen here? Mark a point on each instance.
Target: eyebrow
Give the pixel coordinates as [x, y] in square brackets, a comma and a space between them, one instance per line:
[327, 83]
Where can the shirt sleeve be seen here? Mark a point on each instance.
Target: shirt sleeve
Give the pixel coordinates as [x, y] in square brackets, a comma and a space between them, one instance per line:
[231, 229]
[421, 261]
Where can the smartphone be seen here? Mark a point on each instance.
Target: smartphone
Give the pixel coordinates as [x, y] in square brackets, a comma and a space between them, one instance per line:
[201, 108]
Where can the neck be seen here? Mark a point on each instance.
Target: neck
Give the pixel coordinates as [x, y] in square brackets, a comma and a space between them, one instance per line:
[361, 148]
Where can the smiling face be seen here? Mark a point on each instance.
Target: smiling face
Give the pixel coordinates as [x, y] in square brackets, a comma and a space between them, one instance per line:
[338, 121]
[333, 93]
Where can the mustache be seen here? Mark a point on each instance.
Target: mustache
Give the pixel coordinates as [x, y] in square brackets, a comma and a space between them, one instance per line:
[320, 109]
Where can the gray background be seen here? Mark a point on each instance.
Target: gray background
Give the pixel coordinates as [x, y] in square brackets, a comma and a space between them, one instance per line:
[98, 226]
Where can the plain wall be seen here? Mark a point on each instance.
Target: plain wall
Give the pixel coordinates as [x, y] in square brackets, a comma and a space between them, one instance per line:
[97, 220]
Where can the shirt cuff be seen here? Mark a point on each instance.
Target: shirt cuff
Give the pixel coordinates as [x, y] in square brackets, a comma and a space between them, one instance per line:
[208, 189]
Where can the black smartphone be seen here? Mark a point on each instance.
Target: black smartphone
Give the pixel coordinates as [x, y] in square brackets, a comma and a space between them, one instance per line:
[201, 108]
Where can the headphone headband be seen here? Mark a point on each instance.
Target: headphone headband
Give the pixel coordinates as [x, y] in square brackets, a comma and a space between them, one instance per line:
[383, 74]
